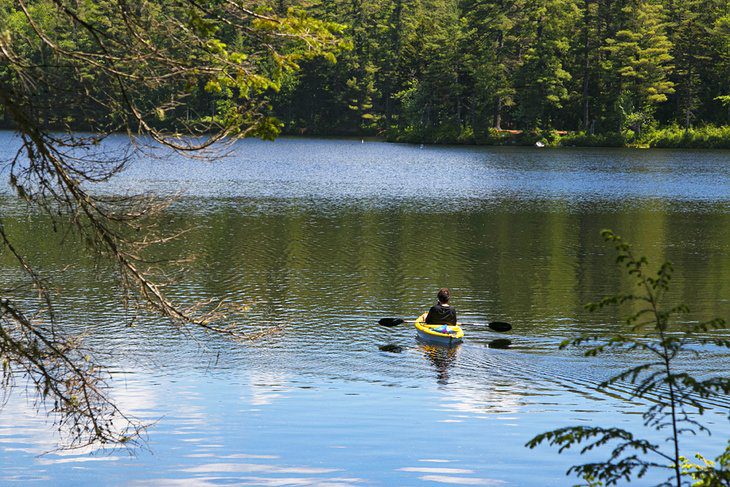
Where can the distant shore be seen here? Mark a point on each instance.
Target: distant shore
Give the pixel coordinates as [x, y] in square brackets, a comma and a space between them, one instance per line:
[673, 137]
[708, 137]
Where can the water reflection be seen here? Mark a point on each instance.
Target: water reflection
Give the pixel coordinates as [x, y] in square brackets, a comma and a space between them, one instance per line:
[390, 348]
[217, 480]
[220, 468]
[500, 343]
[267, 386]
[441, 358]
[450, 475]
[448, 479]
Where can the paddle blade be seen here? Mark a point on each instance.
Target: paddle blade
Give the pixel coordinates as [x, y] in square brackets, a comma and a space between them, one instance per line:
[500, 326]
[390, 322]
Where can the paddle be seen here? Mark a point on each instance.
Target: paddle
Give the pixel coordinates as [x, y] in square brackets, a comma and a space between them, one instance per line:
[494, 325]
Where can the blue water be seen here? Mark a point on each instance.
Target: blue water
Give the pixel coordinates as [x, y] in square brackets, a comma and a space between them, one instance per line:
[323, 237]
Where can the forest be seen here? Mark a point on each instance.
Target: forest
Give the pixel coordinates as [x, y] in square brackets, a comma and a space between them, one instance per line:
[448, 70]
[593, 72]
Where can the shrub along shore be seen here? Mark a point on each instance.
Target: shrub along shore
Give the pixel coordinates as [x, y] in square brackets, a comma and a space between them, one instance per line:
[672, 137]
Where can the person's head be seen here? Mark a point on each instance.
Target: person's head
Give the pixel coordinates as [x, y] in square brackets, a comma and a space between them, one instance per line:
[444, 295]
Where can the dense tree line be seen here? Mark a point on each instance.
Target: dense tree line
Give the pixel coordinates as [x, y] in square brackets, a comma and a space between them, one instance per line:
[454, 69]
[429, 70]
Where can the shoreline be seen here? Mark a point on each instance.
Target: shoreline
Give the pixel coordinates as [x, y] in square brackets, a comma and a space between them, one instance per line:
[703, 138]
[673, 137]
[660, 139]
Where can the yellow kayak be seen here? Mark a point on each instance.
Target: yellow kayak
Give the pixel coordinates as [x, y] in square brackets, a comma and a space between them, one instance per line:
[436, 334]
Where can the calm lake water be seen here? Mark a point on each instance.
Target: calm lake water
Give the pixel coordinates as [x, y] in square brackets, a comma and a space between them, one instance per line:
[324, 237]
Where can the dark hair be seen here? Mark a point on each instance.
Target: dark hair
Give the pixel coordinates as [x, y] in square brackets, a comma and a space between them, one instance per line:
[444, 295]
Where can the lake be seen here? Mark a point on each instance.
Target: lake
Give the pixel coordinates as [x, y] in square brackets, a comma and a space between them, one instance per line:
[323, 237]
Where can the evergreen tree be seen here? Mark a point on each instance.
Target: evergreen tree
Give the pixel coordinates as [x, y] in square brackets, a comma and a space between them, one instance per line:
[639, 56]
[696, 57]
[543, 79]
[719, 78]
[495, 33]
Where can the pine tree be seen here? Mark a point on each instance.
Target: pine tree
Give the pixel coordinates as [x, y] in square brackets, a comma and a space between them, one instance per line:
[639, 56]
[543, 77]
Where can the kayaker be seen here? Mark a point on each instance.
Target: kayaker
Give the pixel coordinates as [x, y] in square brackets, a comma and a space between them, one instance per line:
[442, 313]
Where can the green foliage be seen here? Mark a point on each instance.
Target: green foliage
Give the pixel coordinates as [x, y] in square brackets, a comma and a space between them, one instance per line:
[542, 73]
[709, 473]
[583, 139]
[708, 137]
[185, 67]
[677, 396]
[447, 71]
[638, 57]
[428, 71]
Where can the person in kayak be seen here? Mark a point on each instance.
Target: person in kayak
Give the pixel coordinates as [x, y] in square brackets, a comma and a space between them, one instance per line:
[442, 313]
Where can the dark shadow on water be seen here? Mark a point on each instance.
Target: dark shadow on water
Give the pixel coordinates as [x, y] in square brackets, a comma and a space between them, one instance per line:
[500, 343]
[391, 348]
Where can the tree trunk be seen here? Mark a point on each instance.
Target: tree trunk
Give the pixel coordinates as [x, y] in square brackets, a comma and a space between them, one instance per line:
[499, 101]
[498, 114]
[395, 40]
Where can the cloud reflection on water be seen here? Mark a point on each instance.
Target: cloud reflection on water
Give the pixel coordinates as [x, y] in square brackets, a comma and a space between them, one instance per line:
[260, 481]
[447, 479]
[266, 386]
[255, 467]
